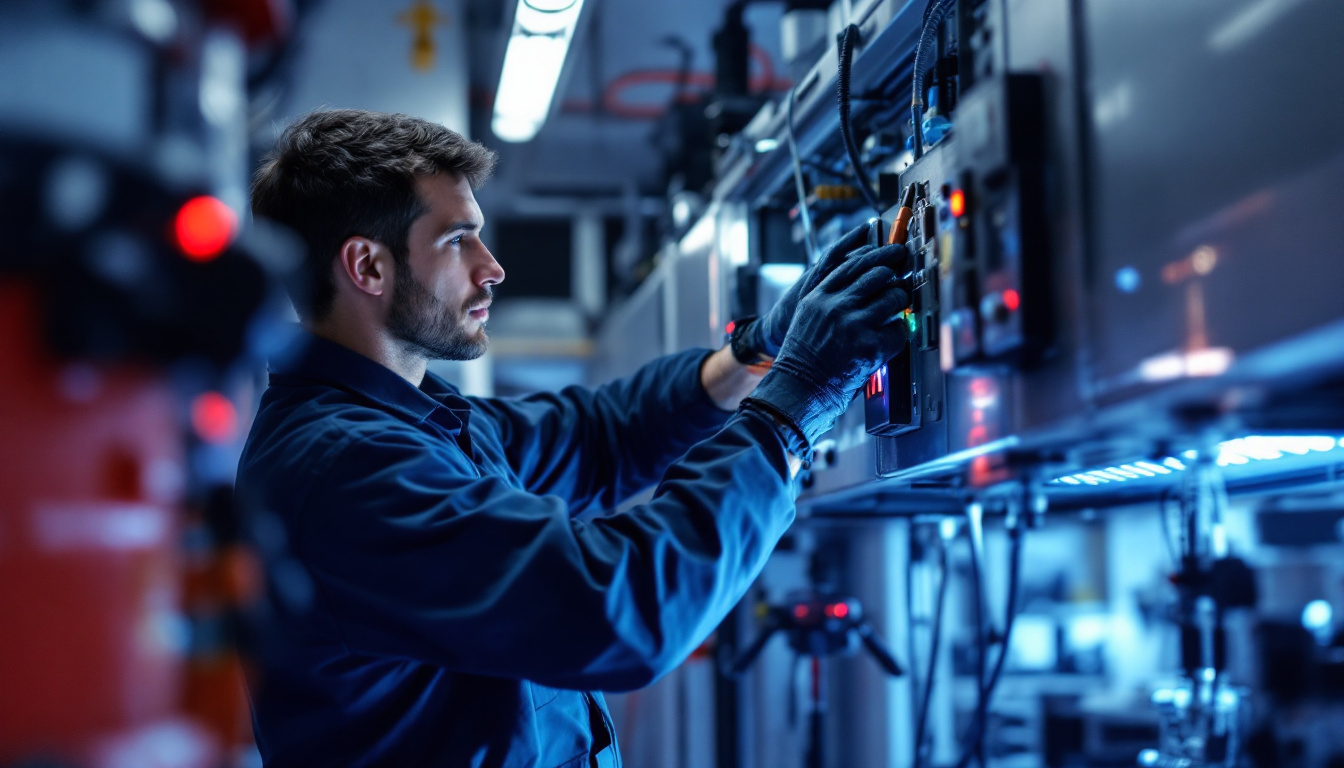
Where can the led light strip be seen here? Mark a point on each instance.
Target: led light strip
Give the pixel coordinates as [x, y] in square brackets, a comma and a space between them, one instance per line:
[1243, 450]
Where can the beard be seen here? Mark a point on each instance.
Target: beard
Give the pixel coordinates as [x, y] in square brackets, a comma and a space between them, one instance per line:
[423, 322]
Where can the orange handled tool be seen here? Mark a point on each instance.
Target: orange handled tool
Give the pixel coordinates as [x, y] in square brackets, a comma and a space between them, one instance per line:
[901, 227]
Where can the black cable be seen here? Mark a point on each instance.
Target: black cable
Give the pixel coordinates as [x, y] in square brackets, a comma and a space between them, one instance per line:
[1165, 514]
[922, 723]
[804, 215]
[685, 63]
[934, 13]
[793, 691]
[846, 41]
[975, 530]
[824, 169]
[911, 645]
[976, 736]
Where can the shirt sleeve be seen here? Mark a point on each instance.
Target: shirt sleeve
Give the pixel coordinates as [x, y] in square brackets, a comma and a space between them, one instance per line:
[595, 448]
[416, 558]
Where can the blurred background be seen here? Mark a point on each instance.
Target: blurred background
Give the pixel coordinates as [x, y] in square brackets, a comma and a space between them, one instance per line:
[1094, 515]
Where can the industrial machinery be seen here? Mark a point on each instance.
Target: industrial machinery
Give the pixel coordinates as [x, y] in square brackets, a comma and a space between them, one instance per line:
[1126, 289]
[134, 303]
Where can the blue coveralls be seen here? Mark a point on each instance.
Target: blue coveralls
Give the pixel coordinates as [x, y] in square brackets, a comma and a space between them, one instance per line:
[433, 598]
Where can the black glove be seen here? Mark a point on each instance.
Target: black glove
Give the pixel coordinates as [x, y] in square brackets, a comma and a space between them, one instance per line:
[765, 335]
[842, 332]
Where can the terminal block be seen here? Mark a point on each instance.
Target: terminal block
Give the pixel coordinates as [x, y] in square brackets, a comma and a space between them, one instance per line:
[891, 397]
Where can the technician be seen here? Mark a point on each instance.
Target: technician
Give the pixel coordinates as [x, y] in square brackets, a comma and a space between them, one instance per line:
[434, 597]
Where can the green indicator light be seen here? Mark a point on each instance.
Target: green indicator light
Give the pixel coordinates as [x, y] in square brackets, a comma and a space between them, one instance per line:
[912, 322]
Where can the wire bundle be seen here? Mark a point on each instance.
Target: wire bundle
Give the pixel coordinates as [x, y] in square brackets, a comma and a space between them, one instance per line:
[934, 14]
[974, 739]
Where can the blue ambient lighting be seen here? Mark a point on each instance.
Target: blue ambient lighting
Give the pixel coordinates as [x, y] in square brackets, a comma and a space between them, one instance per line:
[1127, 279]
[1243, 450]
[1317, 616]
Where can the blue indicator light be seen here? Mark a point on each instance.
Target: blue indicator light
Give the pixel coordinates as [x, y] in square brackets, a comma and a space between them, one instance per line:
[1127, 279]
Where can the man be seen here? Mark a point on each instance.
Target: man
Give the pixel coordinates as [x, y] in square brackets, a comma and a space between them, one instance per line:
[433, 598]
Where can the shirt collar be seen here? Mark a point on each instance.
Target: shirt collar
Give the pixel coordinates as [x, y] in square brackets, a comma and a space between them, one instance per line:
[314, 358]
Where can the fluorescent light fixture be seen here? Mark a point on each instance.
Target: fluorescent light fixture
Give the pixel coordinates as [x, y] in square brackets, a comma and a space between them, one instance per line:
[767, 145]
[538, 44]
[1243, 450]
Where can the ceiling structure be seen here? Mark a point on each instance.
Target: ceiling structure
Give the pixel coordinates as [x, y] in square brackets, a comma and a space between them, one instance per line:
[621, 75]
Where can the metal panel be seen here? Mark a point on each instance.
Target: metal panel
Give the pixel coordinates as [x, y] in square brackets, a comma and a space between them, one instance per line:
[1218, 159]
[632, 334]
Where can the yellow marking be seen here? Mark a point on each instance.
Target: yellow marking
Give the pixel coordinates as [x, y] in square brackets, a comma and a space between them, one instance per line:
[422, 17]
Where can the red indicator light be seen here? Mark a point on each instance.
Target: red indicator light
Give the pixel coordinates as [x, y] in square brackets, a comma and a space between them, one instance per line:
[874, 386]
[837, 610]
[956, 203]
[732, 324]
[214, 418]
[204, 227]
[800, 611]
[1011, 300]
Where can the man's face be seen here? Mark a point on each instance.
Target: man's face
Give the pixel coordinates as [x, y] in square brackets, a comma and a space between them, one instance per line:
[440, 301]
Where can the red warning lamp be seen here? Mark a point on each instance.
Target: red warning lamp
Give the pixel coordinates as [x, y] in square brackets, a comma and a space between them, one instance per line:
[730, 327]
[837, 610]
[204, 227]
[956, 203]
[1012, 300]
[214, 418]
[800, 611]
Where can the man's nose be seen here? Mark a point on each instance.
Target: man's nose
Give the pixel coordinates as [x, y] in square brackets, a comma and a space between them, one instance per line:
[489, 272]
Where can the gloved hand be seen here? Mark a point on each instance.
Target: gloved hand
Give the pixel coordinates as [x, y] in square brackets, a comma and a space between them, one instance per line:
[841, 333]
[764, 335]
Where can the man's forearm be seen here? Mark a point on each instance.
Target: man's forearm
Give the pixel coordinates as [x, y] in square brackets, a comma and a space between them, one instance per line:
[726, 381]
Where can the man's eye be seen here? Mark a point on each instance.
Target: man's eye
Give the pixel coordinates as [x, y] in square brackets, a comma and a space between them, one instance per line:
[457, 240]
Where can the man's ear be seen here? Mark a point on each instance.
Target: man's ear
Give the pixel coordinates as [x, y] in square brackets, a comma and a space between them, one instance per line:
[366, 264]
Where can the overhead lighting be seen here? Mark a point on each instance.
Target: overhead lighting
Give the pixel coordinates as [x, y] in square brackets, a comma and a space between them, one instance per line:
[538, 44]
[1243, 450]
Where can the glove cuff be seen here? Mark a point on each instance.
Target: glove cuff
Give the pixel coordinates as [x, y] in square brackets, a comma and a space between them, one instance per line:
[797, 402]
[748, 343]
[793, 439]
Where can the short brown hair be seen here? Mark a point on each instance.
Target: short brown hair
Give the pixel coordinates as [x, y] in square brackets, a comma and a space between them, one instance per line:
[339, 173]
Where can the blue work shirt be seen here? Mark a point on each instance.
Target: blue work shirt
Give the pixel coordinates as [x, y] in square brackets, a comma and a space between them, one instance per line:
[434, 598]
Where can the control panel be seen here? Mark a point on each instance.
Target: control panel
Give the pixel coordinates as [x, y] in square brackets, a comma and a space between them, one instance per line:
[1000, 268]
[972, 216]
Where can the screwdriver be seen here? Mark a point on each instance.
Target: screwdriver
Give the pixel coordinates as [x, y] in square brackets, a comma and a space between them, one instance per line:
[901, 227]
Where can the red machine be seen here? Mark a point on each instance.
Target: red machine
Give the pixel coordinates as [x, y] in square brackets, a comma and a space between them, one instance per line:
[90, 577]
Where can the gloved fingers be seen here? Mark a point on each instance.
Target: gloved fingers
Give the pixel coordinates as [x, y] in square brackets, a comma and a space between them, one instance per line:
[891, 303]
[848, 245]
[891, 256]
[890, 297]
[849, 241]
[871, 284]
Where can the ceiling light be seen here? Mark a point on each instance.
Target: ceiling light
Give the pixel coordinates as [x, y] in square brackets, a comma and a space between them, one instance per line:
[542, 30]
